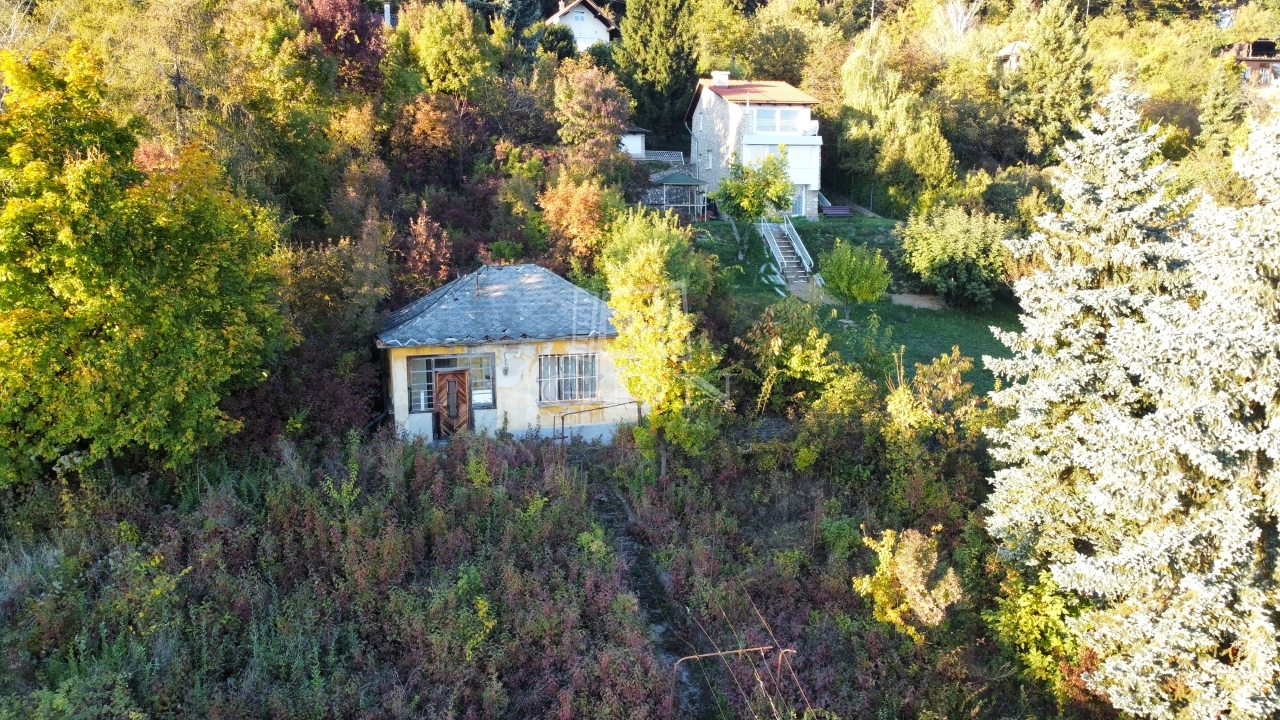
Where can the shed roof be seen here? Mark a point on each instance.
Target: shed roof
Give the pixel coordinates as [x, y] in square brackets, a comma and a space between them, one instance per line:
[758, 92]
[499, 303]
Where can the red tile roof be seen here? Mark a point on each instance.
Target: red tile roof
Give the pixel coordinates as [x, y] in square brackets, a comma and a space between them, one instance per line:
[764, 92]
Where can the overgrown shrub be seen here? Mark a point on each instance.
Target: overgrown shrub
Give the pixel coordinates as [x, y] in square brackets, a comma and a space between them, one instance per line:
[855, 274]
[394, 581]
[959, 254]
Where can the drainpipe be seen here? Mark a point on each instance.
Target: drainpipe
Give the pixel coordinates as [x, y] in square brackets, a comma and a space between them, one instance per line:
[693, 150]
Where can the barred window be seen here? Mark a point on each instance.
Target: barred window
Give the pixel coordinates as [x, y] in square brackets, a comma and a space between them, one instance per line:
[422, 377]
[563, 378]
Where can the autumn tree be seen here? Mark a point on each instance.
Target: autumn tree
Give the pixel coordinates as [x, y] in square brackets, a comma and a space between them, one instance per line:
[247, 80]
[453, 49]
[578, 215]
[433, 140]
[131, 301]
[757, 190]
[1050, 93]
[653, 272]
[351, 34]
[592, 108]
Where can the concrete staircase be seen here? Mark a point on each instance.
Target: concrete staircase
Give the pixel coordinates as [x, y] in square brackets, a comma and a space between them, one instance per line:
[784, 252]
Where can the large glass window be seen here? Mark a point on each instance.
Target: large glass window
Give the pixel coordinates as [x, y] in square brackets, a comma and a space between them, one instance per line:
[766, 120]
[788, 121]
[567, 378]
[422, 377]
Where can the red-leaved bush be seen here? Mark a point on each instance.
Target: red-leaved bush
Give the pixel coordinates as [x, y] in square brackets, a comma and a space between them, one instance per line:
[351, 34]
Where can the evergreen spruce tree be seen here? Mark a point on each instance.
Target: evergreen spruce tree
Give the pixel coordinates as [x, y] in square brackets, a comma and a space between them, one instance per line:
[1139, 460]
[520, 14]
[657, 60]
[1220, 109]
[1051, 92]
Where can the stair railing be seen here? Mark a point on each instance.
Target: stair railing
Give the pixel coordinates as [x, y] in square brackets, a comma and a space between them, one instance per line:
[773, 246]
[797, 244]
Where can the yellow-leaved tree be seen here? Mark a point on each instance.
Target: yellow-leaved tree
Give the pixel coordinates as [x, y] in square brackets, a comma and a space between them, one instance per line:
[130, 300]
[654, 274]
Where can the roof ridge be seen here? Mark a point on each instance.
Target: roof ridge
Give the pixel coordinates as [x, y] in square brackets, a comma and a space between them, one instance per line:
[529, 306]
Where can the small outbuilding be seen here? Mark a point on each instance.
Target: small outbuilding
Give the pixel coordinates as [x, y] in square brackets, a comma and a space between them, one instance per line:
[512, 347]
[681, 193]
[632, 142]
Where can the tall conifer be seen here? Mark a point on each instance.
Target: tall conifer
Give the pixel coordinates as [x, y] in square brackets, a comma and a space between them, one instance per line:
[1140, 454]
[1050, 93]
[658, 62]
[1220, 108]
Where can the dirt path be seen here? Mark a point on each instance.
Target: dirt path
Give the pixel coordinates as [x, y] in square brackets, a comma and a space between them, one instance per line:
[926, 302]
[695, 698]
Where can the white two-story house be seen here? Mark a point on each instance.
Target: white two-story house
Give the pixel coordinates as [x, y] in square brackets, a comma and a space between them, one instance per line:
[589, 23]
[753, 119]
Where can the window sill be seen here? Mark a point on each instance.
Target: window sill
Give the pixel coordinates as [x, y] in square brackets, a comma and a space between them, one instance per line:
[560, 403]
[473, 407]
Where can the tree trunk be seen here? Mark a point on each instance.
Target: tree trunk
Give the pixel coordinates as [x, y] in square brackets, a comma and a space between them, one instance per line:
[660, 439]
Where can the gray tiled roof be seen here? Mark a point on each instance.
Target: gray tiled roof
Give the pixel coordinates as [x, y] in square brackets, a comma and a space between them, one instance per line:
[499, 303]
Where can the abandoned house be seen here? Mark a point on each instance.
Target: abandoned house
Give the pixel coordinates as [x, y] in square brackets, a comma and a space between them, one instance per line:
[586, 20]
[512, 347]
[752, 119]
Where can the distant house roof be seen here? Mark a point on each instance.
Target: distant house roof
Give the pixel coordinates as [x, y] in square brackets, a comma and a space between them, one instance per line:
[757, 92]
[565, 7]
[1260, 49]
[499, 303]
[1013, 48]
[637, 130]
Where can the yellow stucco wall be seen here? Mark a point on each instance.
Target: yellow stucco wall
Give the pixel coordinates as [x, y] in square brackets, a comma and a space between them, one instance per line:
[515, 379]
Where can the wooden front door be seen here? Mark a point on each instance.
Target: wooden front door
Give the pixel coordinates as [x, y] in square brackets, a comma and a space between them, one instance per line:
[453, 401]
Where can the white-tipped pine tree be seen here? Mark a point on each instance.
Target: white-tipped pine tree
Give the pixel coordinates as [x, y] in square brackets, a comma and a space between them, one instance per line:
[1140, 461]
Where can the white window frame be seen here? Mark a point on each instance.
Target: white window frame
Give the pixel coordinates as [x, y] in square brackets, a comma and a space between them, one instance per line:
[579, 15]
[479, 380]
[769, 115]
[568, 378]
[788, 120]
[710, 159]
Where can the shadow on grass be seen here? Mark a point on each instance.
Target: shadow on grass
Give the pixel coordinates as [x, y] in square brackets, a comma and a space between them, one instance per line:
[926, 334]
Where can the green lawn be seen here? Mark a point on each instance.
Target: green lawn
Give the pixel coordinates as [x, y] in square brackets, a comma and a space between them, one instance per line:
[926, 334]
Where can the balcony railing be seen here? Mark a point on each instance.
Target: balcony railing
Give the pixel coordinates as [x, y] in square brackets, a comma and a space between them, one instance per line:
[764, 125]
